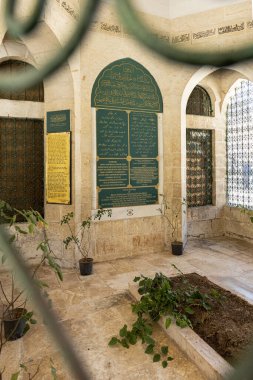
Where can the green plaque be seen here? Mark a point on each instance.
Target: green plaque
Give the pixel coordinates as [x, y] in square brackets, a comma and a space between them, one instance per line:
[127, 99]
[58, 121]
[143, 135]
[112, 173]
[144, 172]
[112, 134]
[127, 197]
[126, 85]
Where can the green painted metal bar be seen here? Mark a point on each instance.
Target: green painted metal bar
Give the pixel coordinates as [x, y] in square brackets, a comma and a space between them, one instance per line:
[32, 77]
[144, 34]
[137, 27]
[17, 28]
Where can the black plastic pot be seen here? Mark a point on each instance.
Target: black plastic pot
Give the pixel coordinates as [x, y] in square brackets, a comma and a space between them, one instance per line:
[177, 248]
[14, 324]
[86, 266]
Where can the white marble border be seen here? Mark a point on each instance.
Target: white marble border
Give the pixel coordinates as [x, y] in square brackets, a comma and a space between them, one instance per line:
[119, 213]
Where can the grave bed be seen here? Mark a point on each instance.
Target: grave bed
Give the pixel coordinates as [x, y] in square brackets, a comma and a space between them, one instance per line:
[220, 336]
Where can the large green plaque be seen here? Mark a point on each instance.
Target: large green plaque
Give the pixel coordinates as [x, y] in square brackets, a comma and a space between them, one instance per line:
[143, 135]
[112, 173]
[58, 121]
[126, 85]
[127, 197]
[128, 101]
[144, 172]
[112, 134]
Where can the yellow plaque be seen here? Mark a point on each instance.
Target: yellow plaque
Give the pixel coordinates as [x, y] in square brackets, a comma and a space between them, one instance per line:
[58, 168]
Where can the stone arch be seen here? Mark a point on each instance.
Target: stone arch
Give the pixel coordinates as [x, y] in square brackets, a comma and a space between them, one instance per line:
[199, 92]
[59, 94]
[200, 77]
[229, 93]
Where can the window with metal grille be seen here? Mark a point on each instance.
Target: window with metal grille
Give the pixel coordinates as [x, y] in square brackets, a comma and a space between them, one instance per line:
[199, 103]
[240, 147]
[34, 94]
[22, 163]
[199, 167]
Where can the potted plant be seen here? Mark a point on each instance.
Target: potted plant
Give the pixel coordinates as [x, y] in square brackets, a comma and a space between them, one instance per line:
[82, 238]
[16, 320]
[171, 213]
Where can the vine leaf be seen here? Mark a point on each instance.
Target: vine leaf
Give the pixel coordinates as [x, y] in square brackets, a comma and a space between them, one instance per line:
[156, 358]
[165, 350]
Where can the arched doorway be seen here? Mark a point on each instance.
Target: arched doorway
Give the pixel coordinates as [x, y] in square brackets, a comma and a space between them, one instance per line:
[22, 144]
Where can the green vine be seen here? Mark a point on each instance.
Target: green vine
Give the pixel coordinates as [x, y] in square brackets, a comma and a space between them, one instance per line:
[158, 299]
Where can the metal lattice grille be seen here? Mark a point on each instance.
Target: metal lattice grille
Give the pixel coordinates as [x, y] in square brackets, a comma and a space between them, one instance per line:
[34, 94]
[199, 103]
[199, 167]
[22, 163]
[240, 147]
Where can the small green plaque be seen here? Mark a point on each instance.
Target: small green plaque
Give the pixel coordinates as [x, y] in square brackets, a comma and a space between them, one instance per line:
[58, 121]
[112, 173]
[143, 135]
[128, 197]
[112, 134]
[144, 172]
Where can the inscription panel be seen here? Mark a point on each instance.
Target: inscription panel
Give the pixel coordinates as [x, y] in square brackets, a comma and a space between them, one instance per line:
[58, 168]
[127, 99]
[143, 135]
[112, 134]
[126, 85]
[58, 121]
[144, 172]
[112, 173]
[128, 197]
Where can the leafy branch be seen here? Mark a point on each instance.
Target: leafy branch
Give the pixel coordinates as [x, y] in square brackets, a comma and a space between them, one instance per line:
[159, 298]
[171, 212]
[82, 238]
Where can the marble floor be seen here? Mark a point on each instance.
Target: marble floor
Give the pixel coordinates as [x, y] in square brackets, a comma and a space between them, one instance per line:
[93, 308]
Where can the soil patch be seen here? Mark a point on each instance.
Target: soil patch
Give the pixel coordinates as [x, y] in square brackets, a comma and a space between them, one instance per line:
[228, 326]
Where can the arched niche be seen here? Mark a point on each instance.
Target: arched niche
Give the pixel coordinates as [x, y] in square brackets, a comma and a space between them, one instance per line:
[22, 142]
[127, 108]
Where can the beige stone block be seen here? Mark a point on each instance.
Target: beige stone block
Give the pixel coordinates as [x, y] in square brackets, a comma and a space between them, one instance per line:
[105, 248]
[53, 213]
[117, 228]
[103, 229]
[218, 227]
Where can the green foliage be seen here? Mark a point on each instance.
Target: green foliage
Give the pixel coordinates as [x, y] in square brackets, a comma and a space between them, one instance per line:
[81, 239]
[33, 224]
[248, 212]
[15, 376]
[53, 370]
[172, 211]
[159, 298]
[31, 372]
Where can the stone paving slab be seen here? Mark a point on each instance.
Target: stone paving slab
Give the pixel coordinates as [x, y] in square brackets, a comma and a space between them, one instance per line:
[93, 308]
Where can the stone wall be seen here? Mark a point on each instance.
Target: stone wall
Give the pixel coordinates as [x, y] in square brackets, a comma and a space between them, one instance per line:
[237, 224]
[71, 88]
